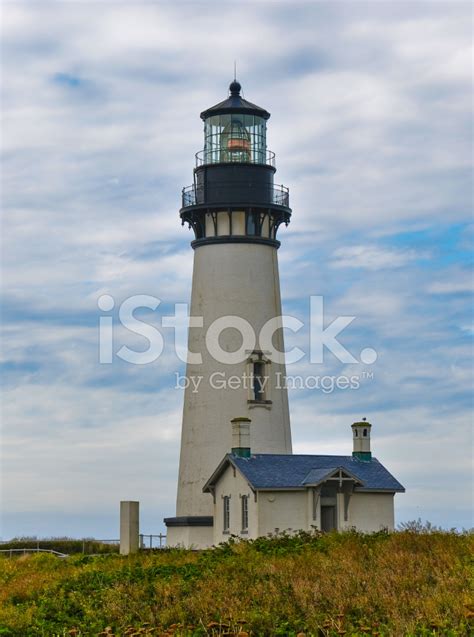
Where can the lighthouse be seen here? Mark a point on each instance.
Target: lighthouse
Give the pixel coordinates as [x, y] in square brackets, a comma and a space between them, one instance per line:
[235, 210]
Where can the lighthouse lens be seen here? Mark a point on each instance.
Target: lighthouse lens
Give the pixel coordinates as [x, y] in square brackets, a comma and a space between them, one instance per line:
[235, 138]
[235, 143]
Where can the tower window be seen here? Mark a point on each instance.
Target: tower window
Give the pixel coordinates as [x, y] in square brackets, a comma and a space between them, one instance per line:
[365, 433]
[356, 433]
[258, 384]
[252, 224]
[226, 513]
[245, 513]
[259, 387]
[199, 229]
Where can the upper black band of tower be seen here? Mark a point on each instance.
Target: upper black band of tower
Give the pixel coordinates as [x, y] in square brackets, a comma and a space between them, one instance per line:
[235, 183]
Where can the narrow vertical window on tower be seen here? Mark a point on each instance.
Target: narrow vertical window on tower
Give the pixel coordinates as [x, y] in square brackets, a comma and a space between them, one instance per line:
[251, 224]
[226, 513]
[245, 513]
[258, 366]
[259, 380]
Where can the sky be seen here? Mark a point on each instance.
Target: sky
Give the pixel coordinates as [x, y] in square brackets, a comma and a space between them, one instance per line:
[371, 123]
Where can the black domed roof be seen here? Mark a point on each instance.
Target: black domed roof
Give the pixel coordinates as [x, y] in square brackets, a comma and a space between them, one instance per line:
[235, 104]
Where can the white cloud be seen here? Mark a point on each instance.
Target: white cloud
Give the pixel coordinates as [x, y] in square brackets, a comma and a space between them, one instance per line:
[372, 257]
[460, 282]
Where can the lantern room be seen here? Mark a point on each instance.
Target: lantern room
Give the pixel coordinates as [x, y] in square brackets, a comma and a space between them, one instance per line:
[234, 131]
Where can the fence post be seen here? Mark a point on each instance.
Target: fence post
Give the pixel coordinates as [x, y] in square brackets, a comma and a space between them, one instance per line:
[129, 527]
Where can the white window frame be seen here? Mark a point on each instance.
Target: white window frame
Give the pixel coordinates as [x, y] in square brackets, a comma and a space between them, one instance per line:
[226, 513]
[257, 356]
[245, 513]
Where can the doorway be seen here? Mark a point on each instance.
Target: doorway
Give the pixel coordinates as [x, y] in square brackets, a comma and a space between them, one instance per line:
[328, 518]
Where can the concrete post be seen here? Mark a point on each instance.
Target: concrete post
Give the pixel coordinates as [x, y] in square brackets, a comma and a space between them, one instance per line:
[129, 527]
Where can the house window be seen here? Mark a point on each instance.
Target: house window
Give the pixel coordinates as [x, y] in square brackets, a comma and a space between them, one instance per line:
[226, 513]
[245, 513]
[258, 384]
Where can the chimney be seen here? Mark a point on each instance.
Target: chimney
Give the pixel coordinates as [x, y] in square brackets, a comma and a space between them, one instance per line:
[361, 440]
[241, 437]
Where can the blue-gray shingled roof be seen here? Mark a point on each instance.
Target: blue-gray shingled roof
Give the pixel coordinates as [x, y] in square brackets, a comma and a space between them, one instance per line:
[278, 471]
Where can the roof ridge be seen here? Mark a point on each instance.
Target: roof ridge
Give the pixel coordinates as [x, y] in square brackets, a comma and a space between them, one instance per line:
[308, 455]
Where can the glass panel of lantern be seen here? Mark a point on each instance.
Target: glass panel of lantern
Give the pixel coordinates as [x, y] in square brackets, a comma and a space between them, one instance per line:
[235, 141]
[212, 132]
[257, 128]
[234, 138]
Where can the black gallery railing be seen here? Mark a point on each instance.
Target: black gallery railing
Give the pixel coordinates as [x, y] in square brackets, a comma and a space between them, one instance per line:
[273, 195]
[216, 155]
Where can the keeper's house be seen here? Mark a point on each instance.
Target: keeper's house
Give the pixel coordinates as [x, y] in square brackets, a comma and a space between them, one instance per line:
[260, 494]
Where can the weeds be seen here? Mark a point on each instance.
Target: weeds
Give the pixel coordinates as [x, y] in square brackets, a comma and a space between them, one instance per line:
[409, 583]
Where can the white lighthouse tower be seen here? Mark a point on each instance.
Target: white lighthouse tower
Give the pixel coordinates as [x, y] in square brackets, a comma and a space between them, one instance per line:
[235, 211]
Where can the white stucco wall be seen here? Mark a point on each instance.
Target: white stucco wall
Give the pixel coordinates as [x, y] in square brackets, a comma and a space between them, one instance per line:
[282, 510]
[239, 279]
[191, 537]
[371, 511]
[293, 510]
[234, 485]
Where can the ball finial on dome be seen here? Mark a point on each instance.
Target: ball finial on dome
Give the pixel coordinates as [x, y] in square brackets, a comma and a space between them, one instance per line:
[234, 88]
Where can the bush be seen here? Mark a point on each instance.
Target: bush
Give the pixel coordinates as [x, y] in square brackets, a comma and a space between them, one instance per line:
[61, 545]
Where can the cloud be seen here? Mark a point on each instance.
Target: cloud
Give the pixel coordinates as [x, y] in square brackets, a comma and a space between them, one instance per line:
[372, 257]
[458, 282]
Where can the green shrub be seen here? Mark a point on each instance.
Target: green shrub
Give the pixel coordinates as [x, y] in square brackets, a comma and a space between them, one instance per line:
[62, 545]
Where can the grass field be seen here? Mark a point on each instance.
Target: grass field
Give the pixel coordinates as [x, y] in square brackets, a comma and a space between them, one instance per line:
[400, 584]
